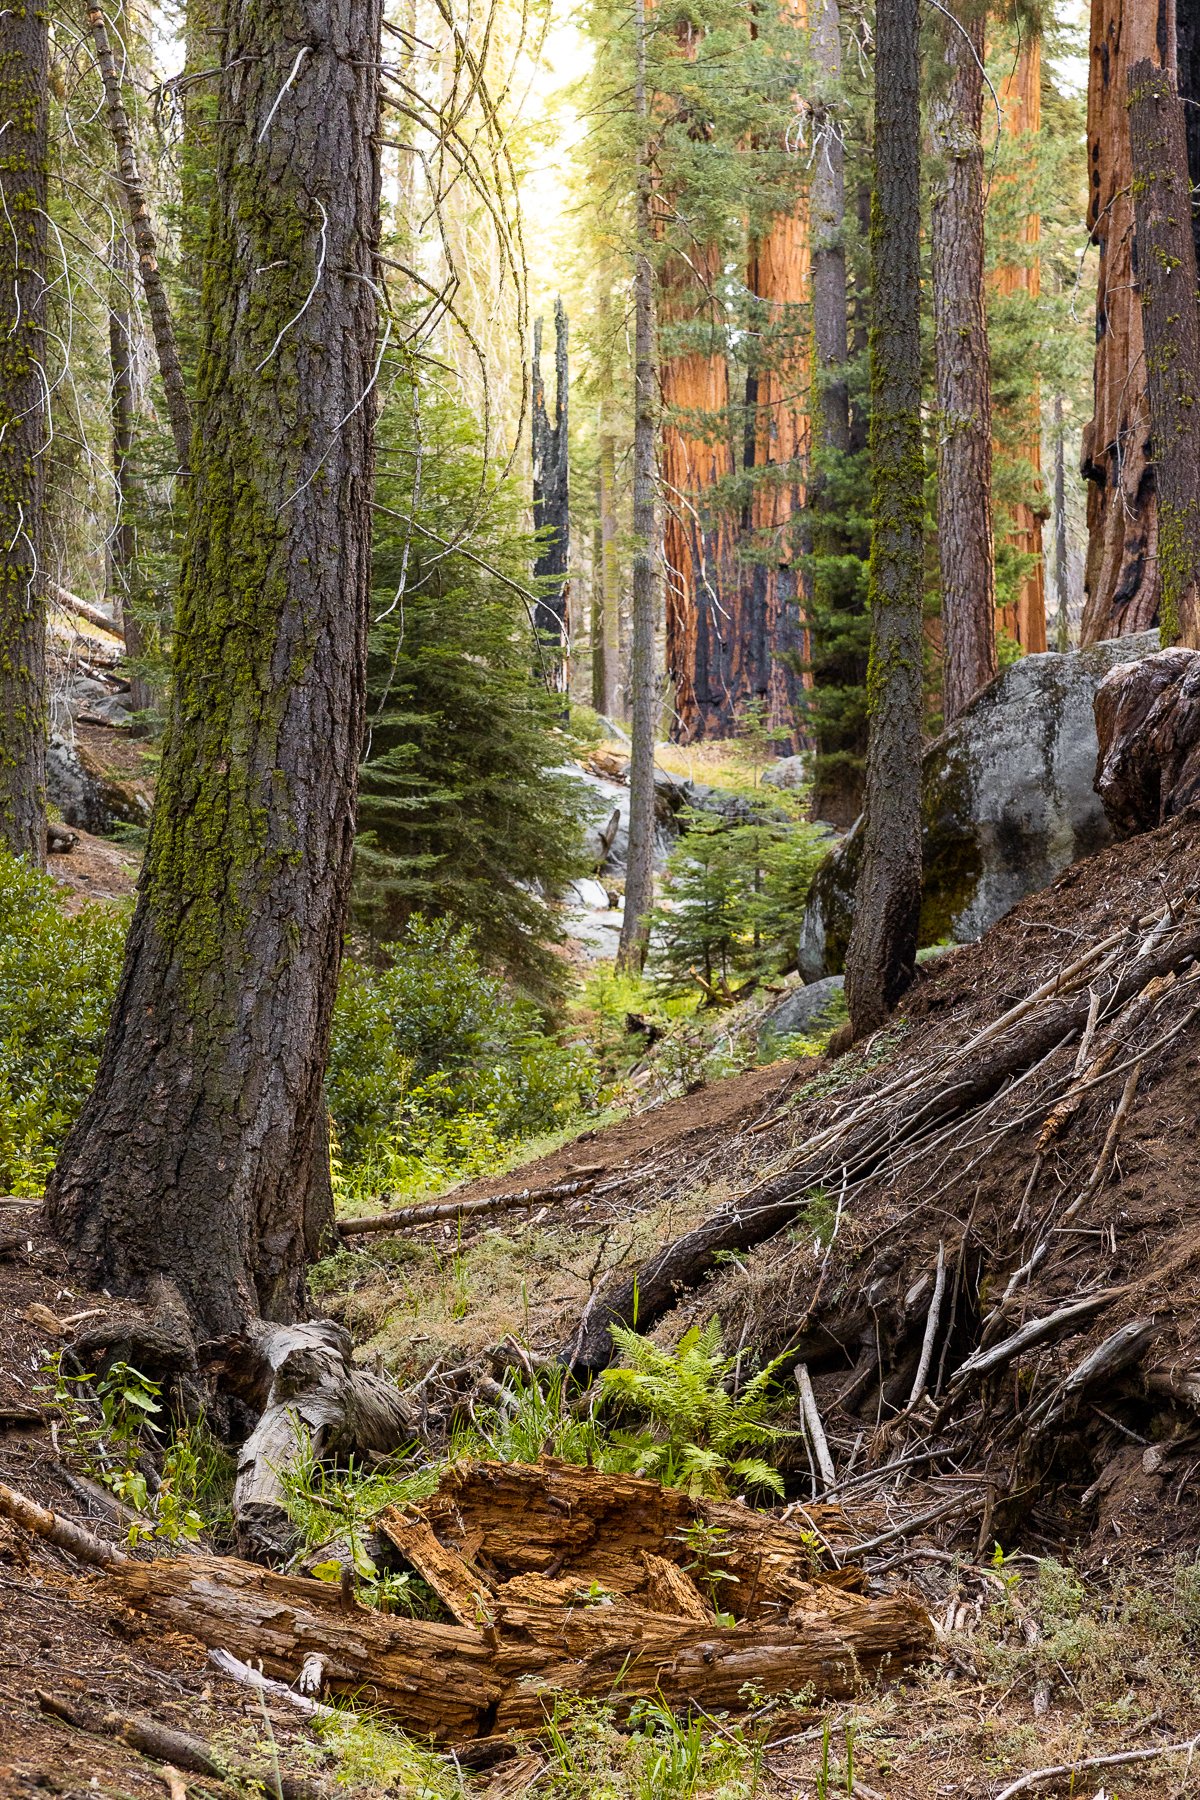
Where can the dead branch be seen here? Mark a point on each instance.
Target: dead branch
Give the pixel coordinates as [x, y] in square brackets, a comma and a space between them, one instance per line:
[1119, 1759]
[870, 1136]
[81, 1543]
[164, 1744]
[813, 1428]
[407, 1218]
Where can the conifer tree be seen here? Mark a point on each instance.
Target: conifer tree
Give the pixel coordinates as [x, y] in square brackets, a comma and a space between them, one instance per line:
[883, 940]
[24, 429]
[199, 1157]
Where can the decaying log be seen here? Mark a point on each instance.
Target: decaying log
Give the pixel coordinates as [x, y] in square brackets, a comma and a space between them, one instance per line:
[533, 1538]
[871, 1137]
[317, 1399]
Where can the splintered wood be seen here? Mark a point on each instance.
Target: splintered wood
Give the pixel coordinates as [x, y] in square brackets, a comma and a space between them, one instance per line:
[561, 1580]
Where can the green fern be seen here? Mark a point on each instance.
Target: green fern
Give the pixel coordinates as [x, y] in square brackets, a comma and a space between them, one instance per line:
[697, 1429]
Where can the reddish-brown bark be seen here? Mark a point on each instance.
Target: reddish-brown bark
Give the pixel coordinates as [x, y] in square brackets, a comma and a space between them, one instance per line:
[1021, 101]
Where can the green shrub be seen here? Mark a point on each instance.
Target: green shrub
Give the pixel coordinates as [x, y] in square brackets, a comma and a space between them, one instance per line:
[434, 1060]
[58, 975]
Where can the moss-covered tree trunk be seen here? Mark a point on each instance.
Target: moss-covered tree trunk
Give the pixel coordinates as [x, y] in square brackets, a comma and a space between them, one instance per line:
[122, 542]
[24, 430]
[200, 1152]
[883, 940]
[964, 519]
[1166, 271]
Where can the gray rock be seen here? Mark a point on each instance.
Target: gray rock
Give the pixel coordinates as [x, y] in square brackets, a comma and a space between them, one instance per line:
[1007, 801]
[803, 1012]
[86, 797]
[788, 772]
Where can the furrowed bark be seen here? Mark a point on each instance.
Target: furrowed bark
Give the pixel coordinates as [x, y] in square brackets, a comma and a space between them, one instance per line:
[883, 942]
[178, 409]
[643, 684]
[25, 433]
[964, 516]
[1025, 621]
[123, 538]
[1121, 574]
[197, 1152]
[1166, 271]
[606, 637]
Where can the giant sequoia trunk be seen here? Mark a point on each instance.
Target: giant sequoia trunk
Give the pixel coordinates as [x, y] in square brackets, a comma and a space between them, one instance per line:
[1167, 284]
[198, 1151]
[883, 943]
[1025, 621]
[703, 627]
[24, 438]
[1121, 573]
[963, 376]
[768, 627]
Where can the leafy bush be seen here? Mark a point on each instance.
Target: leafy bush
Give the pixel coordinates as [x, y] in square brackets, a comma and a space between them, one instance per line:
[58, 975]
[434, 1060]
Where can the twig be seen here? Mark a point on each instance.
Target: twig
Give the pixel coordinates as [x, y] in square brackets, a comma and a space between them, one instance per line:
[931, 1328]
[1036, 1331]
[813, 1428]
[1117, 1760]
[964, 1503]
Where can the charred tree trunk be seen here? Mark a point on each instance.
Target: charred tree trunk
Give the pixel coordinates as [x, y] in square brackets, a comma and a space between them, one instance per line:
[964, 513]
[201, 1143]
[883, 942]
[643, 684]
[606, 633]
[1166, 271]
[178, 409]
[699, 540]
[123, 538]
[1021, 101]
[551, 500]
[1121, 573]
[24, 438]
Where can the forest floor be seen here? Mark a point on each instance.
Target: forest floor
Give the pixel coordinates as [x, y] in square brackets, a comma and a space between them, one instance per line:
[1063, 1570]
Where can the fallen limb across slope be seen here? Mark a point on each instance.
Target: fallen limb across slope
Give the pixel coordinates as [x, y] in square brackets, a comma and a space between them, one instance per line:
[897, 1120]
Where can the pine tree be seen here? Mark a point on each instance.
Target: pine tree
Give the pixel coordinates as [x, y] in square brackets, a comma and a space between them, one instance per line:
[464, 811]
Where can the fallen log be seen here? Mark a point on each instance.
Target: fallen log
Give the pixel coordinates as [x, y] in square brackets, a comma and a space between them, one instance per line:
[457, 1682]
[863, 1145]
[406, 1218]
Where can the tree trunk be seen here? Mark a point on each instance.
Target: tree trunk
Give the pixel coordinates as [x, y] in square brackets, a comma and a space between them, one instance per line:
[964, 509]
[123, 538]
[551, 499]
[769, 640]
[607, 638]
[24, 439]
[703, 625]
[882, 951]
[1166, 271]
[1021, 101]
[159, 306]
[639, 868]
[840, 744]
[196, 1153]
[1062, 627]
[1120, 581]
